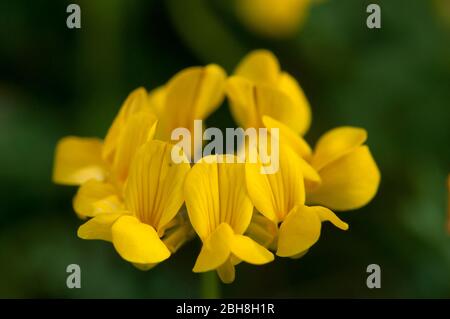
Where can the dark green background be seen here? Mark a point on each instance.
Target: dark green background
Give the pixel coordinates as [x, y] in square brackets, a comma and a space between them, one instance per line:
[395, 82]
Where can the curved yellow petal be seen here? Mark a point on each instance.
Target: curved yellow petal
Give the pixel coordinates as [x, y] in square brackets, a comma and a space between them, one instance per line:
[137, 242]
[327, 215]
[226, 272]
[215, 193]
[250, 251]
[274, 195]
[157, 100]
[139, 128]
[262, 230]
[137, 101]
[336, 143]
[347, 183]
[154, 190]
[89, 193]
[290, 87]
[99, 227]
[78, 160]
[299, 231]
[241, 93]
[260, 66]
[192, 94]
[215, 250]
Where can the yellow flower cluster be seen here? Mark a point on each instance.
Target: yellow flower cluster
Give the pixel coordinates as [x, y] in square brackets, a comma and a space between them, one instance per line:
[134, 195]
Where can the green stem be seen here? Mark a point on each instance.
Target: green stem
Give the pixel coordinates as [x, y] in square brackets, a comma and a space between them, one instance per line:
[210, 287]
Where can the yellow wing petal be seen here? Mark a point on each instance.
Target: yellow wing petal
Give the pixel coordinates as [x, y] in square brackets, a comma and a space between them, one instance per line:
[226, 272]
[154, 190]
[88, 194]
[192, 94]
[215, 250]
[347, 183]
[299, 231]
[260, 66]
[78, 160]
[290, 87]
[215, 193]
[250, 251]
[99, 227]
[137, 101]
[137, 242]
[336, 143]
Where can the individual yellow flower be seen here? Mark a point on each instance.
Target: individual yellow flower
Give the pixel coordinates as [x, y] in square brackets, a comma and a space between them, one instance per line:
[101, 167]
[273, 18]
[220, 212]
[257, 84]
[153, 195]
[280, 197]
[192, 94]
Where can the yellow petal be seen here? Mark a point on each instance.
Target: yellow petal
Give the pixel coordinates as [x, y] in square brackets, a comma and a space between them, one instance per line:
[215, 250]
[250, 251]
[299, 231]
[99, 227]
[347, 183]
[137, 242]
[290, 87]
[262, 230]
[154, 190]
[336, 143]
[226, 272]
[327, 215]
[137, 101]
[139, 128]
[274, 195]
[78, 160]
[157, 100]
[90, 192]
[192, 94]
[215, 193]
[260, 66]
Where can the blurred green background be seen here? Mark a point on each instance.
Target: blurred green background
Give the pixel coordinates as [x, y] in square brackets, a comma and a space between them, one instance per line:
[395, 82]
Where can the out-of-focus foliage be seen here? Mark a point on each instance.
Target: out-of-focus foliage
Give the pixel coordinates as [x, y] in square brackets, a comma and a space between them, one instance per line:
[394, 82]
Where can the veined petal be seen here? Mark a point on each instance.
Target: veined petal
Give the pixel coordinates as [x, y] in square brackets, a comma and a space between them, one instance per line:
[154, 190]
[139, 128]
[215, 250]
[250, 251]
[290, 87]
[137, 101]
[327, 215]
[347, 183]
[274, 195]
[137, 242]
[336, 143]
[299, 231]
[99, 227]
[89, 193]
[78, 160]
[215, 193]
[191, 94]
[260, 66]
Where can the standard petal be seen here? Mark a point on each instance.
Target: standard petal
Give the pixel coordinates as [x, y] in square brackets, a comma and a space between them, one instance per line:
[78, 160]
[154, 190]
[215, 250]
[250, 251]
[348, 183]
[137, 242]
[260, 66]
[99, 227]
[91, 192]
[192, 94]
[299, 231]
[215, 193]
[290, 87]
[137, 101]
[336, 143]
[327, 215]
